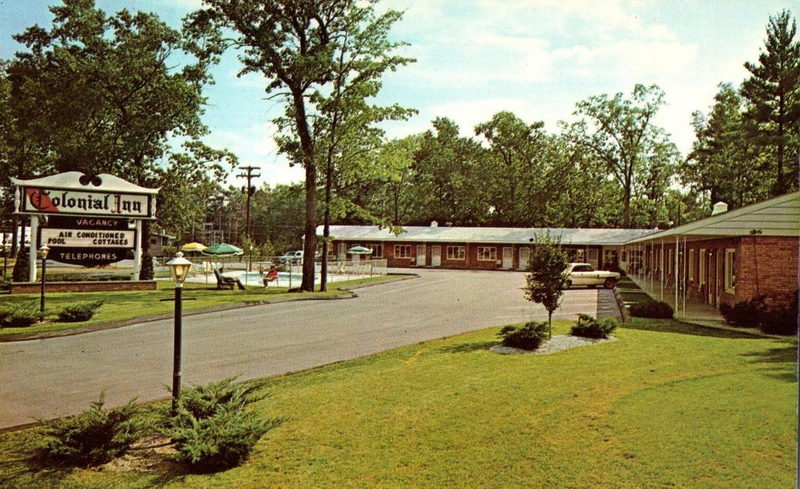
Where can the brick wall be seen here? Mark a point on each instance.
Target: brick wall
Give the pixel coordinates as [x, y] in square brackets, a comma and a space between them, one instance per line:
[36, 287]
[770, 266]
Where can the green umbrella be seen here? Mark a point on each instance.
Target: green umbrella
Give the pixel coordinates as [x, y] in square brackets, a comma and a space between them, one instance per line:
[222, 249]
[359, 250]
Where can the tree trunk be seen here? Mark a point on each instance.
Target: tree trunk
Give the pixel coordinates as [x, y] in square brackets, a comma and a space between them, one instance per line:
[549, 324]
[326, 232]
[310, 229]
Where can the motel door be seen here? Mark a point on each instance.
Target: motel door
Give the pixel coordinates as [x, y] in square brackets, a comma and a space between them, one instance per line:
[421, 258]
[436, 256]
[524, 257]
[593, 257]
[508, 257]
[342, 252]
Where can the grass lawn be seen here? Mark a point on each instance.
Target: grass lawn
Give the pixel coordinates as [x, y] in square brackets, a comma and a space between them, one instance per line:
[119, 306]
[668, 405]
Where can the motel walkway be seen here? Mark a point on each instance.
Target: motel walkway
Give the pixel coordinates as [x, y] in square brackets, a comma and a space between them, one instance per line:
[688, 310]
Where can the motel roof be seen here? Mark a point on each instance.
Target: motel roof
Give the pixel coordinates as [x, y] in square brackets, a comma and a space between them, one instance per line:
[447, 234]
[779, 216]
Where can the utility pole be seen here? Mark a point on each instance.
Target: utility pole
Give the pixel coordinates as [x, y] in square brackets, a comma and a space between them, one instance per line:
[250, 189]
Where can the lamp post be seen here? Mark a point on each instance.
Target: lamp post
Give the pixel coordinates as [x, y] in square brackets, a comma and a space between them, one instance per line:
[178, 269]
[43, 250]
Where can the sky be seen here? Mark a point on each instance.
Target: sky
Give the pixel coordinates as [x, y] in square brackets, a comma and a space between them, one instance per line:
[535, 58]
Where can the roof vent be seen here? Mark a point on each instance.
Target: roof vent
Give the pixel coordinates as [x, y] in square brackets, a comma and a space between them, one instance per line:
[434, 224]
[719, 208]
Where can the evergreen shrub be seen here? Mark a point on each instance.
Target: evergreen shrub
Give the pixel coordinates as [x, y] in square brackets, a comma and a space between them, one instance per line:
[212, 429]
[20, 315]
[527, 337]
[746, 313]
[92, 438]
[652, 309]
[589, 327]
[82, 311]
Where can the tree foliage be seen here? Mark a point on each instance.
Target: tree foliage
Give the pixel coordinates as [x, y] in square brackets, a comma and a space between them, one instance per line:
[323, 59]
[724, 161]
[119, 94]
[620, 132]
[773, 94]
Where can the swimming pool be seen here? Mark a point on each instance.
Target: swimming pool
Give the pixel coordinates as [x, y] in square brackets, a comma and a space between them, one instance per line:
[285, 279]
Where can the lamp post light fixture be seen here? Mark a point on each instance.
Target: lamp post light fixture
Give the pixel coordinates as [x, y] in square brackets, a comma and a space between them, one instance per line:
[43, 250]
[178, 269]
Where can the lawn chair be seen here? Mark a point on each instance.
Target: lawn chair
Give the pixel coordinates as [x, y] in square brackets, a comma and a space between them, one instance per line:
[227, 282]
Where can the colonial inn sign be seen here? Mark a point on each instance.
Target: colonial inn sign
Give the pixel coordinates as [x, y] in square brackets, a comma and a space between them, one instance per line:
[85, 220]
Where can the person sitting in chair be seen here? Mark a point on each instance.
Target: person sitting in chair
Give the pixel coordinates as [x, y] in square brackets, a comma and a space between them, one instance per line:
[227, 282]
[271, 276]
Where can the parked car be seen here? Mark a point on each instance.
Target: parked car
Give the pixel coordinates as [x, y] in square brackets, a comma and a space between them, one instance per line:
[292, 256]
[295, 256]
[585, 274]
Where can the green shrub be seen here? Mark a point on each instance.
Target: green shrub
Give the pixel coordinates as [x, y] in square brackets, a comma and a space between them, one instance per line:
[780, 320]
[589, 327]
[20, 315]
[652, 309]
[212, 429]
[92, 438]
[745, 313]
[527, 337]
[82, 311]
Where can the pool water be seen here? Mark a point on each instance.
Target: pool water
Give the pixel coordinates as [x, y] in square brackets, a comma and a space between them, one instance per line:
[255, 278]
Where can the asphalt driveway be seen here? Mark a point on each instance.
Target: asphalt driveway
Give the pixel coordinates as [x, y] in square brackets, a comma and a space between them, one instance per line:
[60, 376]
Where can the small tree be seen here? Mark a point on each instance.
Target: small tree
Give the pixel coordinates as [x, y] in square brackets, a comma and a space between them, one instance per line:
[546, 277]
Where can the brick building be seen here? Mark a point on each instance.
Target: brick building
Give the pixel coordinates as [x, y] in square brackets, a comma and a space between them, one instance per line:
[728, 257]
[483, 248]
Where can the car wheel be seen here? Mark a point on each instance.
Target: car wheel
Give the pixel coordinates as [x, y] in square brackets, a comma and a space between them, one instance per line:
[609, 283]
[568, 284]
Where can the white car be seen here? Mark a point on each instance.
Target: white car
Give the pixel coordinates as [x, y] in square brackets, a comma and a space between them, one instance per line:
[585, 274]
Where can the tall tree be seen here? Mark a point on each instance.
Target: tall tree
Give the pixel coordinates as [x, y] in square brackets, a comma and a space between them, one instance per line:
[102, 93]
[449, 185]
[515, 169]
[620, 133]
[773, 92]
[724, 162]
[345, 126]
[294, 44]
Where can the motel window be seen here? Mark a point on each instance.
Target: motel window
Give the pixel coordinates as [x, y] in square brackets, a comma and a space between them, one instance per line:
[610, 257]
[455, 253]
[691, 265]
[377, 250]
[402, 251]
[702, 271]
[730, 270]
[487, 253]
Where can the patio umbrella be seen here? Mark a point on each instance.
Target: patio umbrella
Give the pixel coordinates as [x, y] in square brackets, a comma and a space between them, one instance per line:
[222, 249]
[193, 247]
[359, 250]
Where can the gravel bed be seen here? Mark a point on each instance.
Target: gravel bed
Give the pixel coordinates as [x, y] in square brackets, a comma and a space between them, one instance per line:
[556, 343]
